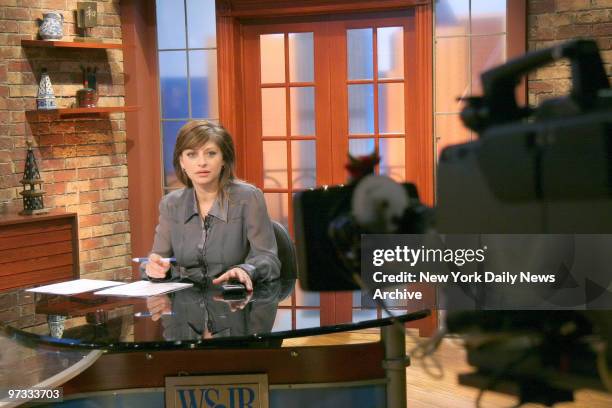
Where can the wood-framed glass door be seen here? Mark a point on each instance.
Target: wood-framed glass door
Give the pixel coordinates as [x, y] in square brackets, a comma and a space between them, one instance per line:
[286, 87]
[315, 91]
[375, 92]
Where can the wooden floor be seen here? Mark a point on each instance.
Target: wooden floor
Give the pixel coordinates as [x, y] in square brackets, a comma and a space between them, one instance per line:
[428, 386]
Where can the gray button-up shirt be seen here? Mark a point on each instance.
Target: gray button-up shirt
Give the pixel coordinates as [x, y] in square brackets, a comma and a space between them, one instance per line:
[236, 233]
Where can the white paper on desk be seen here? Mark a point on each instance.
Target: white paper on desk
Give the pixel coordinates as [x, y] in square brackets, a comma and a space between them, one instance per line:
[144, 289]
[74, 286]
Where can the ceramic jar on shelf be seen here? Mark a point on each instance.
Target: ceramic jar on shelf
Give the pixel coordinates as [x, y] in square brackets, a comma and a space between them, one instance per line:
[52, 26]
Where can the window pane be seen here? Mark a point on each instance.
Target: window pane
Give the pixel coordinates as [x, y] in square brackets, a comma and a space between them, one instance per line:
[449, 131]
[452, 17]
[361, 147]
[488, 16]
[302, 111]
[286, 301]
[282, 321]
[361, 109]
[203, 72]
[278, 207]
[360, 53]
[362, 300]
[170, 24]
[394, 312]
[201, 24]
[393, 158]
[356, 298]
[487, 52]
[301, 57]
[360, 315]
[173, 84]
[391, 108]
[169, 133]
[275, 164]
[273, 112]
[303, 298]
[272, 57]
[390, 48]
[452, 73]
[307, 318]
[303, 164]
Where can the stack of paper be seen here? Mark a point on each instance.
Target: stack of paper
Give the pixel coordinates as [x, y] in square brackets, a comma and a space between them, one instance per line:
[136, 289]
[143, 289]
[74, 286]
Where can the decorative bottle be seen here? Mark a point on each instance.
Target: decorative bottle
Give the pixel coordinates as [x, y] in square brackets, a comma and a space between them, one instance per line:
[46, 97]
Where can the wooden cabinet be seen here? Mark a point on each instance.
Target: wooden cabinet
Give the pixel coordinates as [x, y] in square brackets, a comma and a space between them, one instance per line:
[38, 249]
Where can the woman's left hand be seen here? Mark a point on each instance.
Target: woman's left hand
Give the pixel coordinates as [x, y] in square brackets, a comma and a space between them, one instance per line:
[238, 274]
[237, 304]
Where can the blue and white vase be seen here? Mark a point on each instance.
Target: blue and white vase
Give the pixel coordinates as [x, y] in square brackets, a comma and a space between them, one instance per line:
[45, 98]
[52, 26]
[56, 325]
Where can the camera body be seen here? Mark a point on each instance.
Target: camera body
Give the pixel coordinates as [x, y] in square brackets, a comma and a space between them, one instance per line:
[532, 171]
[551, 175]
[328, 239]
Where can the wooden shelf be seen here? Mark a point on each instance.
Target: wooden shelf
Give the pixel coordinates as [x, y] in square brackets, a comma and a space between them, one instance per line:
[84, 111]
[69, 44]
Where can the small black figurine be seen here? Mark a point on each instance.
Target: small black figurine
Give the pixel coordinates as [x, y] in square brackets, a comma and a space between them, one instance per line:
[32, 197]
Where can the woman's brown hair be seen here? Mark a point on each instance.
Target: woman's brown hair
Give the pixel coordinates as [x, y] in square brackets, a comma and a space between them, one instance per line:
[195, 134]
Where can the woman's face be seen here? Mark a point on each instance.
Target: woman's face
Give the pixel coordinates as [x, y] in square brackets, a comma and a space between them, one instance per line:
[203, 166]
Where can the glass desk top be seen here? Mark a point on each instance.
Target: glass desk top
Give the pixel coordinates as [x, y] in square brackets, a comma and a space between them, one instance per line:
[26, 365]
[201, 316]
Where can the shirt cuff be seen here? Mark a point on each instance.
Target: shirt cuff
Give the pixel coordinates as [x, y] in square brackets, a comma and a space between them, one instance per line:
[169, 274]
[248, 268]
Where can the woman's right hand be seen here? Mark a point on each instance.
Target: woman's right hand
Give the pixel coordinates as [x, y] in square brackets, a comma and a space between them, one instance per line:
[156, 267]
[158, 306]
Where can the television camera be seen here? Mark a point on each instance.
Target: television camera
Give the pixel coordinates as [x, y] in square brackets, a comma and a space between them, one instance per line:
[537, 170]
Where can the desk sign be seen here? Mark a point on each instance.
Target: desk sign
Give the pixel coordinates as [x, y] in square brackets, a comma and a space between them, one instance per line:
[208, 391]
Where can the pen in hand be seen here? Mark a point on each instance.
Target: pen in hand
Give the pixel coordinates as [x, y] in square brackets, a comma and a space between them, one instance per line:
[149, 314]
[140, 260]
[155, 266]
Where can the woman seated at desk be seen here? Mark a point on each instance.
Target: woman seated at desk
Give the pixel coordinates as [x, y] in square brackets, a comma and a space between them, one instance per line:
[217, 226]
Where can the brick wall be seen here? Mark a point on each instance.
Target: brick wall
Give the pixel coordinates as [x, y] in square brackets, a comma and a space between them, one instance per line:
[554, 21]
[82, 159]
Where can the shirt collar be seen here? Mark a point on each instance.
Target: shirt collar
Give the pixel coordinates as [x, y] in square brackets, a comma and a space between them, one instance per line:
[217, 210]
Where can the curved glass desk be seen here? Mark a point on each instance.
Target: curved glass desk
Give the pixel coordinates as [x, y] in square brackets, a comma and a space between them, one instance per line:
[175, 330]
[197, 317]
[25, 365]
